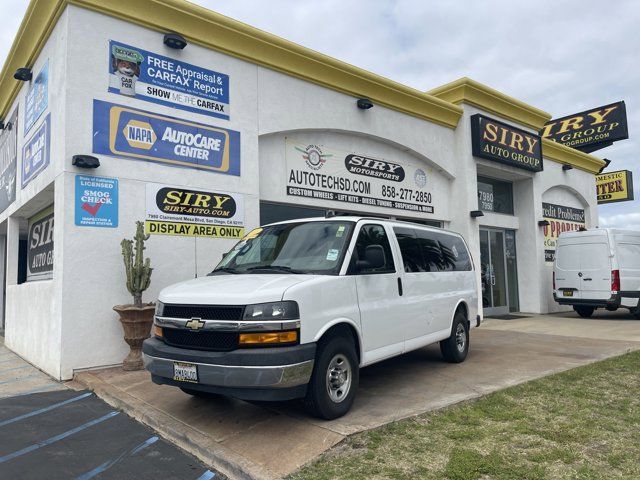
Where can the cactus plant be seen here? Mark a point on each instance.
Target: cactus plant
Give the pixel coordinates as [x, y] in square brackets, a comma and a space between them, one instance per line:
[138, 270]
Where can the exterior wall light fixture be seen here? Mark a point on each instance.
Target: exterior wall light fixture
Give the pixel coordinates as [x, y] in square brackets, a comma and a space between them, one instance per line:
[606, 164]
[543, 223]
[23, 74]
[174, 40]
[566, 167]
[364, 103]
[85, 161]
[476, 213]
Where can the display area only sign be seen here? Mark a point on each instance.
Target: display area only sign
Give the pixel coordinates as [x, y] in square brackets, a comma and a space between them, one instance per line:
[315, 171]
[159, 79]
[503, 143]
[140, 135]
[185, 212]
[96, 201]
[561, 219]
[614, 187]
[40, 246]
[8, 157]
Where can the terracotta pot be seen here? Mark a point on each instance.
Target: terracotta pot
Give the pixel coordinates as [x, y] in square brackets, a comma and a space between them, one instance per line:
[136, 322]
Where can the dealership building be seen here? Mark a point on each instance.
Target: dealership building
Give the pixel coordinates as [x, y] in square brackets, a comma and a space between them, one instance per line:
[241, 128]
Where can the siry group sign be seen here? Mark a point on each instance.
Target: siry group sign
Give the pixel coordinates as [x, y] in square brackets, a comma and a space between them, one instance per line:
[590, 130]
[506, 144]
[614, 186]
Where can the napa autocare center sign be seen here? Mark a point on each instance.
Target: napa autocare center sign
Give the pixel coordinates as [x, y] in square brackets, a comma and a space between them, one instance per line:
[35, 153]
[561, 219]
[126, 132]
[40, 246]
[8, 156]
[318, 172]
[155, 78]
[614, 187]
[188, 212]
[96, 202]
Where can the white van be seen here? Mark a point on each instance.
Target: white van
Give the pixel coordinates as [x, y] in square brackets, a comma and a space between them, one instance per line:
[598, 268]
[296, 308]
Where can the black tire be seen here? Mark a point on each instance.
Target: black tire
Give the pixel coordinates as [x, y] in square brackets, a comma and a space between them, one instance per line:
[636, 313]
[455, 348]
[340, 349]
[584, 312]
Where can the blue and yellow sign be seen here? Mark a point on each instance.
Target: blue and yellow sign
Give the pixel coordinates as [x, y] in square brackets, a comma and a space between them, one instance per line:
[128, 132]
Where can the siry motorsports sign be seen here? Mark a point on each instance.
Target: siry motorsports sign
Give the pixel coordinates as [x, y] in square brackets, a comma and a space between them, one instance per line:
[503, 143]
[614, 186]
[590, 130]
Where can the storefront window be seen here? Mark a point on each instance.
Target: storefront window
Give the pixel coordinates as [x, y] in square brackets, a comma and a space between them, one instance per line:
[495, 195]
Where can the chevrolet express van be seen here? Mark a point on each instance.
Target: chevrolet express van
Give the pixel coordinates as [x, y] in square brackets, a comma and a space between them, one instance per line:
[296, 308]
[598, 268]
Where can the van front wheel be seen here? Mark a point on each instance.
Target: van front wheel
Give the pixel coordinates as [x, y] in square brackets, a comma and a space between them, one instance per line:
[585, 312]
[455, 348]
[334, 381]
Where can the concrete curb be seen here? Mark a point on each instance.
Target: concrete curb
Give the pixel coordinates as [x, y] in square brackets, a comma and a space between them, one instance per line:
[189, 439]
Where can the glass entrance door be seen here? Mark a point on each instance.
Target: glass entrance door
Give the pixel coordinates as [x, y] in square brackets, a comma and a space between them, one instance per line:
[495, 295]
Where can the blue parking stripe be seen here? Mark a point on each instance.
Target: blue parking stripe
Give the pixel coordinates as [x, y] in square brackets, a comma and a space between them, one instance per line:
[57, 438]
[43, 410]
[206, 475]
[18, 379]
[106, 465]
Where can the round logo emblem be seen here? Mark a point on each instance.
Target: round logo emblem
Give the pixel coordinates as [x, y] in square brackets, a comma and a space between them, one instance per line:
[420, 178]
[313, 156]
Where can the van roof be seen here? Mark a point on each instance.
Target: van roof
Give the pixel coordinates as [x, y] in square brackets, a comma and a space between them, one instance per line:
[598, 231]
[356, 218]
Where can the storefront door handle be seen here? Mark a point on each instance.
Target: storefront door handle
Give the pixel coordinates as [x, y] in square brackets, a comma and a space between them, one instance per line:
[493, 280]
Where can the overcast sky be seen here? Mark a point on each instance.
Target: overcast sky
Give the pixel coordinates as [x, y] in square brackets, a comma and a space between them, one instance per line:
[562, 57]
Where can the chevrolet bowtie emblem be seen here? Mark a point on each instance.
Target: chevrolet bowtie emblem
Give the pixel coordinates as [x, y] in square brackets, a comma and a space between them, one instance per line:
[195, 323]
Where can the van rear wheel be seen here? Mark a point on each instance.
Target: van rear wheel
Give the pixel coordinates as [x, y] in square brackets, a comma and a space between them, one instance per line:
[334, 380]
[455, 348]
[584, 312]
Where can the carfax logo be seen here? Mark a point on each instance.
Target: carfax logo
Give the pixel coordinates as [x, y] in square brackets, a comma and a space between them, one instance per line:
[420, 178]
[313, 156]
[128, 132]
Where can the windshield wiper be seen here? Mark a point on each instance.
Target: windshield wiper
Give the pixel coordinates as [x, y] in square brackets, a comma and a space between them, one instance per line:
[224, 270]
[280, 268]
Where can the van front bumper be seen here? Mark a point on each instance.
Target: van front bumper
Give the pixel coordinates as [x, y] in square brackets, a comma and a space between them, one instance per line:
[279, 373]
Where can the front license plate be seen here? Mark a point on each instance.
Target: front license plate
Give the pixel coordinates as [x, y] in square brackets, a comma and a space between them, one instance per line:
[185, 372]
[567, 293]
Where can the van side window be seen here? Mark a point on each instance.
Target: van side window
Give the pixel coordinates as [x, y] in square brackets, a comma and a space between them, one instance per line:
[372, 235]
[442, 252]
[412, 258]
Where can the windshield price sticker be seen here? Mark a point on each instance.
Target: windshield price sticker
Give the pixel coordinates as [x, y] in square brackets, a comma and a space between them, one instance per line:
[315, 171]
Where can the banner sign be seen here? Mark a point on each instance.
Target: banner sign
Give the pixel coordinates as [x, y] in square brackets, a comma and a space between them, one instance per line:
[614, 186]
[561, 219]
[128, 132]
[159, 79]
[8, 156]
[193, 213]
[96, 201]
[37, 98]
[503, 143]
[590, 130]
[35, 154]
[40, 246]
[314, 171]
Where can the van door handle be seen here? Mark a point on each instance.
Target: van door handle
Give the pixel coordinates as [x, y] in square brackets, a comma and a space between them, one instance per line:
[587, 279]
[399, 286]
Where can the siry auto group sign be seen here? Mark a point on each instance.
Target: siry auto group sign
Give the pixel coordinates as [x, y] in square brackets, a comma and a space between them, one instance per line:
[503, 143]
[590, 130]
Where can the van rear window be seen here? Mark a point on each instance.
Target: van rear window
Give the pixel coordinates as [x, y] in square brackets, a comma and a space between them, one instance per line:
[629, 256]
[428, 251]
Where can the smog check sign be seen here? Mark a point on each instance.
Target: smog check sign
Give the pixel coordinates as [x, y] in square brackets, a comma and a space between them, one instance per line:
[96, 202]
[136, 134]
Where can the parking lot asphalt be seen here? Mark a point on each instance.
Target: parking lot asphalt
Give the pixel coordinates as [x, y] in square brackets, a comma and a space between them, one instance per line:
[59, 433]
[259, 440]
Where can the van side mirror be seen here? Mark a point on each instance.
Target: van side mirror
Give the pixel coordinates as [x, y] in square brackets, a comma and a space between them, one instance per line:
[373, 258]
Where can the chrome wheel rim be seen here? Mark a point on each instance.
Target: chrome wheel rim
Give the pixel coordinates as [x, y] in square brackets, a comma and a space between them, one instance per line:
[461, 337]
[338, 378]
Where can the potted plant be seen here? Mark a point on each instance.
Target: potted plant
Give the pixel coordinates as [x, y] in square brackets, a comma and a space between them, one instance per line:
[136, 319]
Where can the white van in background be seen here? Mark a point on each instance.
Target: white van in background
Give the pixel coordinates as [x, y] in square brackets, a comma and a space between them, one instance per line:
[296, 308]
[598, 268]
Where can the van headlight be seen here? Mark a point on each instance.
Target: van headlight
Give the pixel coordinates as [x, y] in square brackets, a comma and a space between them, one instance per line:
[287, 310]
[159, 308]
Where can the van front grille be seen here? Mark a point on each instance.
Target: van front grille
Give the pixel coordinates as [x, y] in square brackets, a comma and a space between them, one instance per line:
[204, 340]
[206, 312]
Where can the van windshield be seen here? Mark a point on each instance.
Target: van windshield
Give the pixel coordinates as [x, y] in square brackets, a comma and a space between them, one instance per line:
[299, 248]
